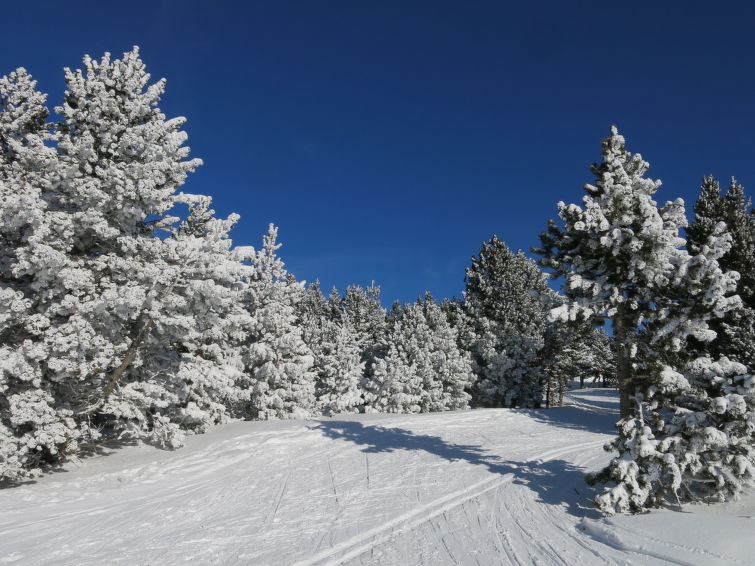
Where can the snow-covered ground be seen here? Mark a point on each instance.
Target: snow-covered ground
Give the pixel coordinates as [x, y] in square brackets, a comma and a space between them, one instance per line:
[476, 487]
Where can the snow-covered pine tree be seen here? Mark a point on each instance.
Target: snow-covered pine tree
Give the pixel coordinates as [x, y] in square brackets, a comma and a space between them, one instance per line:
[123, 162]
[34, 427]
[735, 332]
[616, 253]
[313, 305]
[278, 361]
[686, 440]
[574, 350]
[339, 369]
[623, 258]
[205, 324]
[505, 298]
[126, 315]
[362, 310]
[423, 369]
[445, 362]
[337, 353]
[691, 441]
[599, 358]
[393, 384]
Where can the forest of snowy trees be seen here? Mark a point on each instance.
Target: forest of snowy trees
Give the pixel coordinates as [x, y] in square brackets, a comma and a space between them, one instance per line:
[127, 312]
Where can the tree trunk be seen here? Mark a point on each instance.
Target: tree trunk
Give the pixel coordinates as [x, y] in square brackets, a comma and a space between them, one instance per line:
[624, 380]
[114, 378]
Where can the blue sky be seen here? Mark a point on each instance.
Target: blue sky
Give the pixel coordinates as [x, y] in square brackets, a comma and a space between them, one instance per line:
[389, 139]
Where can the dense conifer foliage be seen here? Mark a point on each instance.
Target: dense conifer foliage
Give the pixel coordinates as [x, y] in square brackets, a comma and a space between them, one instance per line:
[127, 312]
[506, 300]
[624, 258]
[735, 331]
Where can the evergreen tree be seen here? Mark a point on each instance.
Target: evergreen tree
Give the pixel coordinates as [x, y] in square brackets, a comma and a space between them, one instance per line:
[444, 362]
[123, 163]
[623, 258]
[505, 299]
[361, 309]
[313, 306]
[339, 369]
[704, 452]
[205, 325]
[574, 350]
[735, 332]
[699, 451]
[34, 427]
[423, 369]
[278, 361]
[117, 318]
[393, 384]
[619, 255]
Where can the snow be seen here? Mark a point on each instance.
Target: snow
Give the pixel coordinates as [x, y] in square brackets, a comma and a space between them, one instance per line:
[489, 486]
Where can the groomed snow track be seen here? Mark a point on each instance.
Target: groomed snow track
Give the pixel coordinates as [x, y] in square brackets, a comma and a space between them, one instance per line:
[475, 487]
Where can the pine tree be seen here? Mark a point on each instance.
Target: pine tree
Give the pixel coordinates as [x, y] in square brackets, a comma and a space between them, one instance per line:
[123, 162]
[339, 369]
[117, 318]
[506, 298]
[618, 255]
[394, 385]
[205, 325]
[336, 350]
[686, 439]
[446, 363]
[622, 257]
[574, 350]
[278, 361]
[703, 453]
[34, 427]
[423, 369]
[735, 333]
[598, 361]
[313, 305]
[360, 308]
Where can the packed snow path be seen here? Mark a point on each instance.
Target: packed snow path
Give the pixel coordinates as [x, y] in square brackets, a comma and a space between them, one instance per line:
[476, 487]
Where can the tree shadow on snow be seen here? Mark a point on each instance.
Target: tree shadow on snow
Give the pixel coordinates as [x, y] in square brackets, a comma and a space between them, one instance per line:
[599, 413]
[556, 482]
[86, 451]
[590, 419]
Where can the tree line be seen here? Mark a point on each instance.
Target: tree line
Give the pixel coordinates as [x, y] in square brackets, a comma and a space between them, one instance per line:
[127, 312]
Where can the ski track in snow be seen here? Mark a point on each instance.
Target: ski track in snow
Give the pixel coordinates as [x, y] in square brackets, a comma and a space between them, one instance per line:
[473, 487]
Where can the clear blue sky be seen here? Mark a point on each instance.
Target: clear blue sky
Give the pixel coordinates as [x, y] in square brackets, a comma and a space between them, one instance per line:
[387, 139]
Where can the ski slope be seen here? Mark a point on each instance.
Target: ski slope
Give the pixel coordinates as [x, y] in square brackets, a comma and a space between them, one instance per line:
[487, 487]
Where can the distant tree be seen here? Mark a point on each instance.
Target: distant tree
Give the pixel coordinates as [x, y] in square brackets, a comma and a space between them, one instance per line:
[278, 361]
[339, 369]
[505, 300]
[393, 384]
[360, 307]
[313, 305]
[423, 369]
[574, 350]
[447, 370]
[735, 332]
